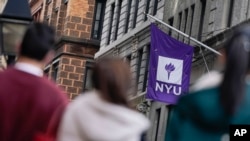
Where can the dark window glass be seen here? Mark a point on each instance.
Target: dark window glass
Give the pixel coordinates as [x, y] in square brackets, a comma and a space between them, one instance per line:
[145, 77]
[139, 60]
[230, 14]
[128, 16]
[185, 21]
[186, 18]
[128, 59]
[111, 22]
[191, 20]
[147, 9]
[155, 7]
[135, 13]
[46, 72]
[87, 76]
[157, 123]
[118, 18]
[66, 1]
[55, 71]
[98, 19]
[179, 23]
[171, 23]
[203, 8]
[49, 1]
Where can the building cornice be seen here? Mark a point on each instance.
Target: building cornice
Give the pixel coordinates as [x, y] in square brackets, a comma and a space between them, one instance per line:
[67, 39]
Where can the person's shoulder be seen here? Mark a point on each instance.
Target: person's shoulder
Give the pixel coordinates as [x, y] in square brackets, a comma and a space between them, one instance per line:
[49, 88]
[207, 92]
[49, 84]
[200, 97]
[208, 80]
[9, 72]
[83, 99]
[79, 106]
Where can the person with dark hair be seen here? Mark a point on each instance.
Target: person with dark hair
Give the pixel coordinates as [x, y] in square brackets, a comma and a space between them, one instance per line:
[207, 113]
[104, 114]
[30, 104]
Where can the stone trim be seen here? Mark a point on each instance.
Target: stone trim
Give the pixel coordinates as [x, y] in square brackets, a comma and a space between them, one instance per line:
[69, 39]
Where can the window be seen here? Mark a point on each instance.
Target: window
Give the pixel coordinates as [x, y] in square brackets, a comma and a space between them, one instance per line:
[118, 18]
[230, 14]
[87, 76]
[49, 1]
[139, 60]
[46, 71]
[128, 59]
[55, 71]
[47, 18]
[157, 123]
[98, 19]
[170, 107]
[171, 23]
[191, 20]
[147, 9]
[145, 77]
[185, 21]
[155, 7]
[135, 13]
[66, 1]
[128, 16]
[179, 23]
[37, 15]
[111, 22]
[203, 7]
[169, 116]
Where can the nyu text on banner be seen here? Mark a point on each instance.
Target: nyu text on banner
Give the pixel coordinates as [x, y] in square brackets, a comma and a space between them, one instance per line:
[169, 68]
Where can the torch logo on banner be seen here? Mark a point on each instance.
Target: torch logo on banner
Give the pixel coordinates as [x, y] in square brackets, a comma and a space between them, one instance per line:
[172, 68]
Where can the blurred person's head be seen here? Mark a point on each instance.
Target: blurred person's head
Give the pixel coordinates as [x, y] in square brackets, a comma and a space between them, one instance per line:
[237, 66]
[112, 78]
[38, 43]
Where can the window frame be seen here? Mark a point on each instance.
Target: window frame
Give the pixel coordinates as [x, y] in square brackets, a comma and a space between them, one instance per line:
[101, 20]
[128, 16]
[147, 9]
[145, 77]
[55, 70]
[136, 7]
[87, 74]
[118, 12]
[112, 11]
[155, 8]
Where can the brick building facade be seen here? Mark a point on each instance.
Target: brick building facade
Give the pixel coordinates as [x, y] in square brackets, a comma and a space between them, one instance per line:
[76, 43]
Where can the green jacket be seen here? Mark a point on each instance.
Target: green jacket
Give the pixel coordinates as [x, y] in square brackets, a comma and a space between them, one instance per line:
[199, 116]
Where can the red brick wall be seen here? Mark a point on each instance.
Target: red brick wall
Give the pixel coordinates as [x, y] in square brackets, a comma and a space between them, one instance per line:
[73, 20]
[78, 22]
[71, 75]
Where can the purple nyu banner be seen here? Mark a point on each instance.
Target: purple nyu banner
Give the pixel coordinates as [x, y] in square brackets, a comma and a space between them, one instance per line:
[170, 67]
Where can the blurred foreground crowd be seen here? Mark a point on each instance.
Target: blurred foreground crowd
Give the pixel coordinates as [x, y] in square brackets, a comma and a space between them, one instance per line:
[33, 108]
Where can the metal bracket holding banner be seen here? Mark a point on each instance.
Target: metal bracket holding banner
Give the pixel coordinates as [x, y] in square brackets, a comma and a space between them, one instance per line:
[184, 34]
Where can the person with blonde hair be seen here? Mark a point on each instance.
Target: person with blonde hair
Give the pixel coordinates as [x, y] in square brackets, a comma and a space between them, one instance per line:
[104, 114]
